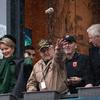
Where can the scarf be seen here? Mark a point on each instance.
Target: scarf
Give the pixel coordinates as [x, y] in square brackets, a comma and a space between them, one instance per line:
[7, 68]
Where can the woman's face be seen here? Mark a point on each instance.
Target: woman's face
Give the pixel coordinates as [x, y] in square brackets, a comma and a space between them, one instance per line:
[7, 51]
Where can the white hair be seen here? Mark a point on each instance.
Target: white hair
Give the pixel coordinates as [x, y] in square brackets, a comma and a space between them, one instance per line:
[94, 30]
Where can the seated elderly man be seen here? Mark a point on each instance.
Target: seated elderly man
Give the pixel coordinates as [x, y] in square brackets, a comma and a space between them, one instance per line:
[49, 72]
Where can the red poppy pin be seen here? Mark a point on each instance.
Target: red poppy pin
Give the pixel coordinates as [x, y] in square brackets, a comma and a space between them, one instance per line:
[74, 64]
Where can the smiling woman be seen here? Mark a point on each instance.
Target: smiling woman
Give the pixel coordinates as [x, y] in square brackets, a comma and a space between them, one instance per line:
[7, 46]
[7, 65]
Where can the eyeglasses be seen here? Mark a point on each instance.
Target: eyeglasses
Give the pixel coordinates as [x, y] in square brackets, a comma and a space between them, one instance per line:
[43, 50]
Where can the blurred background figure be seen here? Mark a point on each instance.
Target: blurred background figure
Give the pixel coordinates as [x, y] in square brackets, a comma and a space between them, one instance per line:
[25, 71]
[29, 61]
[7, 65]
[30, 52]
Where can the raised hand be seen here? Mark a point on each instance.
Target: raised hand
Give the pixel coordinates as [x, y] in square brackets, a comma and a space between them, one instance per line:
[59, 44]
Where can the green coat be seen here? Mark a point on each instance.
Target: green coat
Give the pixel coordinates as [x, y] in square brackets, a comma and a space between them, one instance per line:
[7, 75]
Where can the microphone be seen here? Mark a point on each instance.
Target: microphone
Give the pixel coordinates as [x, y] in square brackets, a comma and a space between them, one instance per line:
[49, 10]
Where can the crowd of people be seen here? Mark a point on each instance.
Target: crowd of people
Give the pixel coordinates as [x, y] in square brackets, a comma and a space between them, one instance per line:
[61, 67]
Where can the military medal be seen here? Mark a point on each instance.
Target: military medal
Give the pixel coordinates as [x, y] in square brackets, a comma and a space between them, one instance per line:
[74, 64]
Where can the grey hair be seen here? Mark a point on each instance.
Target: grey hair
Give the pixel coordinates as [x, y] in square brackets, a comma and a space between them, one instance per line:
[94, 30]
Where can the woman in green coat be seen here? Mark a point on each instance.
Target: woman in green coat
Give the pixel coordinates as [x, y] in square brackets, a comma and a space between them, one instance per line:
[7, 64]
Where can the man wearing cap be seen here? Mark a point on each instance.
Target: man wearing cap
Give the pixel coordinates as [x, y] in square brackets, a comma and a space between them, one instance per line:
[49, 72]
[76, 64]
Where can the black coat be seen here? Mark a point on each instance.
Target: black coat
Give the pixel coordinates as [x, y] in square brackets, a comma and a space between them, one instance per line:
[23, 72]
[77, 66]
[94, 55]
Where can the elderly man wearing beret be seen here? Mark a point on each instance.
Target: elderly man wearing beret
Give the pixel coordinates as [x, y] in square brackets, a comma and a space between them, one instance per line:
[49, 72]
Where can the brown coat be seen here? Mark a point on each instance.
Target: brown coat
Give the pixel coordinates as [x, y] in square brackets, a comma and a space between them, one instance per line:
[53, 74]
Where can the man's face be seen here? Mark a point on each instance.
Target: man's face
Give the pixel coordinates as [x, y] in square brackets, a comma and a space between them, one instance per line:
[95, 40]
[69, 48]
[30, 53]
[47, 53]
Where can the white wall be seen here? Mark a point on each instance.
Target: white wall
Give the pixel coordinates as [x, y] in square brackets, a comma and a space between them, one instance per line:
[3, 12]
[2, 17]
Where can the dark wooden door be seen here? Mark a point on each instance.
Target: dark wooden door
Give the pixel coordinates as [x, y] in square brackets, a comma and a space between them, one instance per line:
[69, 16]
